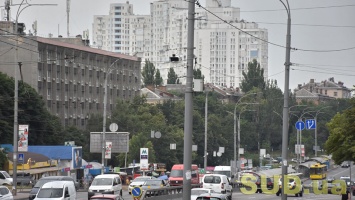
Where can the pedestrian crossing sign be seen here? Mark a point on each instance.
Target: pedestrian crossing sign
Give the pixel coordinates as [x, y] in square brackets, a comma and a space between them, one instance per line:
[21, 157]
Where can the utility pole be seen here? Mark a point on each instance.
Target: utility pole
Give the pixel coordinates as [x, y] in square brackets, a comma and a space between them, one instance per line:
[7, 8]
[286, 96]
[188, 102]
[206, 123]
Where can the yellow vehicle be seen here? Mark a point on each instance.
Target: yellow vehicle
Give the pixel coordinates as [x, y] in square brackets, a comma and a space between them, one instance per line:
[318, 171]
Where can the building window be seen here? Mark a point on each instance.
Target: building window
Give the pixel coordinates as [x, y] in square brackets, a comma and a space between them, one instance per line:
[335, 94]
[325, 92]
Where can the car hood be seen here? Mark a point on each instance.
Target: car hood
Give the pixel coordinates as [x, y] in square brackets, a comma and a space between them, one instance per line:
[100, 187]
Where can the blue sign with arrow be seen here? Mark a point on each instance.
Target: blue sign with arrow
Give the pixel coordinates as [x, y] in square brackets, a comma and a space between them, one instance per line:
[300, 125]
[136, 192]
[311, 124]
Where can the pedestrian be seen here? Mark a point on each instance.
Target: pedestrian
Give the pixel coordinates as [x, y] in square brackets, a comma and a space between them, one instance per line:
[346, 196]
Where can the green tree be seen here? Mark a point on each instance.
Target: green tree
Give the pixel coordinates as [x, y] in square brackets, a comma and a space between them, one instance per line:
[341, 141]
[253, 78]
[172, 77]
[198, 74]
[148, 73]
[158, 79]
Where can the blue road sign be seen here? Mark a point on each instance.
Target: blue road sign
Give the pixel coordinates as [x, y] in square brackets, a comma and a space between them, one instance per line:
[21, 157]
[136, 192]
[311, 124]
[299, 125]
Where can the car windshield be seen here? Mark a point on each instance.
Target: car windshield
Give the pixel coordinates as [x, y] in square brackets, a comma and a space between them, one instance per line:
[102, 181]
[176, 173]
[40, 183]
[50, 193]
[141, 179]
[6, 175]
[152, 183]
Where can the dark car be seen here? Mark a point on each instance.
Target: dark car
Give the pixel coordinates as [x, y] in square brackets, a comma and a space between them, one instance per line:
[47, 179]
[269, 184]
[24, 178]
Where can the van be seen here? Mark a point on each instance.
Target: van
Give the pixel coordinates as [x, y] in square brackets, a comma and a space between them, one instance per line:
[5, 178]
[105, 184]
[47, 179]
[176, 177]
[217, 182]
[57, 190]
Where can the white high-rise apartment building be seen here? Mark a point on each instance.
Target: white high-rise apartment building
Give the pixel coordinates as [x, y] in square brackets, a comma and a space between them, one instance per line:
[223, 48]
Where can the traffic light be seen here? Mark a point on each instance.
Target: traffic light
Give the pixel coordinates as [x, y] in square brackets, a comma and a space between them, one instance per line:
[21, 28]
[174, 58]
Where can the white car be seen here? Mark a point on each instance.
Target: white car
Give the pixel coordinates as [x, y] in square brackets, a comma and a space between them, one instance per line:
[217, 182]
[5, 193]
[196, 192]
[138, 182]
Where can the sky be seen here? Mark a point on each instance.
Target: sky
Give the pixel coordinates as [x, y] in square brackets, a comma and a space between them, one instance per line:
[320, 30]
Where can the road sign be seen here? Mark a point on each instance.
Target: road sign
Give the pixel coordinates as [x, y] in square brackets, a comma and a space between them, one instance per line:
[311, 124]
[136, 192]
[21, 157]
[299, 125]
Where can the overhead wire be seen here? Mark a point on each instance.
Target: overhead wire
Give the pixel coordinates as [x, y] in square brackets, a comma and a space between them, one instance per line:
[292, 48]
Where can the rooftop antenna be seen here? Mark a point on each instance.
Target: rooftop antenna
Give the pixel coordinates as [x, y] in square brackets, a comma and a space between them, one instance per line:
[68, 11]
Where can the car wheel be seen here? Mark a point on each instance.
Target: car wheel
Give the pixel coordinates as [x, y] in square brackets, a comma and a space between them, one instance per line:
[120, 193]
[296, 195]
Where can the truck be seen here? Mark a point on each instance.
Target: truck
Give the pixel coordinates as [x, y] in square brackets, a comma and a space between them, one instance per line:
[224, 170]
[176, 175]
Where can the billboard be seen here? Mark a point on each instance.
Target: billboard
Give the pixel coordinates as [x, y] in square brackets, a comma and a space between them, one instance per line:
[108, 150]
[22, 138]
[120, 141]
[144, 159]
[77, 155]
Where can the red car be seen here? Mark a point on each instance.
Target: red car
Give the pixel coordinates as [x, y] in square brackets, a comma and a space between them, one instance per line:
[105, 196]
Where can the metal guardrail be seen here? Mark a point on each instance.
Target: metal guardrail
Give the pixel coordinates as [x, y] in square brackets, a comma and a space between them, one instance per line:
[167, 193]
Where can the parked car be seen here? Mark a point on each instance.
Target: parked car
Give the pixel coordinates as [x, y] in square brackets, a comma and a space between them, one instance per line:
[47, 179]
[195, 192]
[138, 182]
[214, 196]
[106, 196]
[5, 193]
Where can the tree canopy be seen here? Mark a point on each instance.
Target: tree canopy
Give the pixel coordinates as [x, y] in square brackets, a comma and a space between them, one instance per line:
[254, 77]
[172, 77]
[341, 141]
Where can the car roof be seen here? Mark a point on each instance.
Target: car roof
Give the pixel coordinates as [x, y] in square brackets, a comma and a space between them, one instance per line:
[212, 195]
[57, 184]
[57, 178]
[107, 176]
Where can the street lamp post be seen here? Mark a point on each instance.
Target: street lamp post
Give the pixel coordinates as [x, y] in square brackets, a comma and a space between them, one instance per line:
[235, 129]
[15, 144]
[206, 118]
[286, 97]
[108, 72]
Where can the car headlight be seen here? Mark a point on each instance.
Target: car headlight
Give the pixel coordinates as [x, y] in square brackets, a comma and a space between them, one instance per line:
[108, 190]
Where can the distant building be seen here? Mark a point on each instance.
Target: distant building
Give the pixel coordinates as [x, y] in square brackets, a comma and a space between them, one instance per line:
[223, 48]
[319, 92]
[70, 76]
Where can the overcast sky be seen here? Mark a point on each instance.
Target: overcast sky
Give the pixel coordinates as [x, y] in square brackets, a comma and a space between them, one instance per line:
[320, 25]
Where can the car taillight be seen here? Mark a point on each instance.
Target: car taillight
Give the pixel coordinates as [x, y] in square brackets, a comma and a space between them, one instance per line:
[222, 186]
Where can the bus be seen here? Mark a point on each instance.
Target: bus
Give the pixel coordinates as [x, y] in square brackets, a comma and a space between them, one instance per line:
[318, 171]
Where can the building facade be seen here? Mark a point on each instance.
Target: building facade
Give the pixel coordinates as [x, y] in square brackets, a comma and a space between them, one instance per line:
[319, 92]
[71, 77]
[224, 45]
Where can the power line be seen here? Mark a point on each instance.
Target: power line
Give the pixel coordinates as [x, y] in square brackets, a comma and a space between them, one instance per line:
[304, 8]
[322, 72]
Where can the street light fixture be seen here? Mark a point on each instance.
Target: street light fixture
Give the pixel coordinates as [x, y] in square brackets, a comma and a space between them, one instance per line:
[235, 129]
[108, 72]
[286, 97]
[15, 145]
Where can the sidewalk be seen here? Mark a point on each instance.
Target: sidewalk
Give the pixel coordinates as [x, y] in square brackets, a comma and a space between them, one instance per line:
[22, 194]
